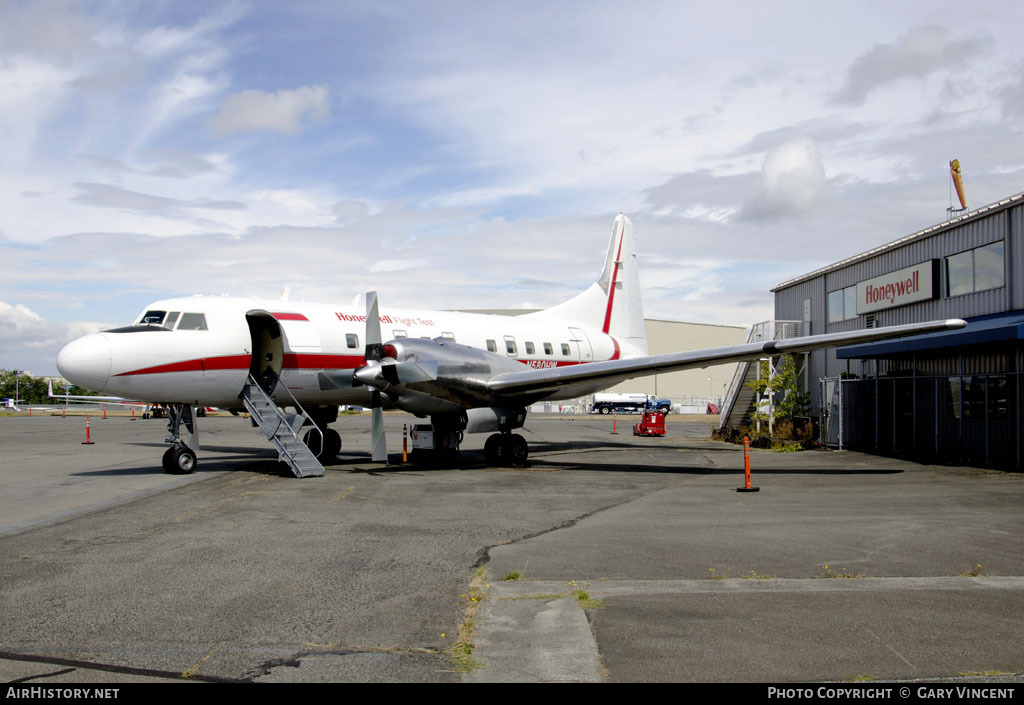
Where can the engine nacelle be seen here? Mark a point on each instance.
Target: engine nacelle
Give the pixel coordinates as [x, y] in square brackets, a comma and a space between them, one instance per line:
[491, 419]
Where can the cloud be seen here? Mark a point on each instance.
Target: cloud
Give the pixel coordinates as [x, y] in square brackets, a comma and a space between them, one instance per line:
[916, 54]
[792, 183]
[107, 196]
[27, 340]
[282, 111]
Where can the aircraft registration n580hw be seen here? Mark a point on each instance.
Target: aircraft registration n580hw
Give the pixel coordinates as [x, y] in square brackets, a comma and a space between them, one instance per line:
[467, 373]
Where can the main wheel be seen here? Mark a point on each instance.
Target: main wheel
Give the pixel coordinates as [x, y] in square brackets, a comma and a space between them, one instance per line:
[492, 449]
[332, 443]
[605, 410]
[315, 443]
[517, 451]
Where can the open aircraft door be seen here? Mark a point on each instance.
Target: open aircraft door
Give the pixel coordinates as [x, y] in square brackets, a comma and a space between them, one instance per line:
[267, 349]
[279, 340]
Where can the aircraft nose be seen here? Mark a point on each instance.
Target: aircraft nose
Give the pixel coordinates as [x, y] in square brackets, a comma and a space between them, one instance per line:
[86, 361]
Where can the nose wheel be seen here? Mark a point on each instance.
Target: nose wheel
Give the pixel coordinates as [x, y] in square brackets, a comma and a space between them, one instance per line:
[179, 461]
[180, 458]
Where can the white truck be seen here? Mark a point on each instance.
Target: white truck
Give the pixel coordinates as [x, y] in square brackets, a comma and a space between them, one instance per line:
[606, 402]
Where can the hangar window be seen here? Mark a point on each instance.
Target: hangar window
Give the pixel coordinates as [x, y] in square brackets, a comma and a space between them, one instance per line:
[979, 269]
[492, 346]
[548, 349]
[842, 304]
[192, 321]
[529, 348]
[352, 340]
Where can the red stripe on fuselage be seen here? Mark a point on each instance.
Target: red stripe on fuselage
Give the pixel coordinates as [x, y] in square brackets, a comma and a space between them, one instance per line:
[292, 361]
[289, 316]
[611, 286]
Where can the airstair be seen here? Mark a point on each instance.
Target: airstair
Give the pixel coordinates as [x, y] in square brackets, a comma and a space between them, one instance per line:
[741, 401]
[282, 429]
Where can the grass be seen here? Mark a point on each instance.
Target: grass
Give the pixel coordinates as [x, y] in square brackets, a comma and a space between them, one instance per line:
[972, 572]
[829, 573]
[462, 651]
[584, 600]
[514, 575]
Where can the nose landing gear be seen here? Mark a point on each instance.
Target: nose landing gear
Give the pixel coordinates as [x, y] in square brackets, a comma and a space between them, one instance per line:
[180, 458]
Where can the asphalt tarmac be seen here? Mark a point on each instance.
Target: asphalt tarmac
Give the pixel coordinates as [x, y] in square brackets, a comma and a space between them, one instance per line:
[611, 558]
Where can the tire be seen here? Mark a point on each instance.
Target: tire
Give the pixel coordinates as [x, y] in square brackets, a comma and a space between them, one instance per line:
[168, 462]
[517, 452]
[332, 441]
[315, 443]
[493, 448]
[179, 461]
[605, 410]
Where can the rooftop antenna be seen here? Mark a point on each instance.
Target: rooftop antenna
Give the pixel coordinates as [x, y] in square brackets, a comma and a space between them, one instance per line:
[957, 180]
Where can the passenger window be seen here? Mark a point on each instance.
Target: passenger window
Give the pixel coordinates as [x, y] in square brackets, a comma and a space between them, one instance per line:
[492, 346]
[172, 318]
[529, 348]
[352, 340]
[192, 321]
[153, 318]
[510, 345]
[548, 350]
[565, 349]
[400, 334]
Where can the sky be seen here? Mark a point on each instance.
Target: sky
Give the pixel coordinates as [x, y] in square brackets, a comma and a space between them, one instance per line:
[474, 155]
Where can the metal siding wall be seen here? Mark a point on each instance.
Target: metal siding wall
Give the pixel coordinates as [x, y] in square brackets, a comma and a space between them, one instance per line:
[1015, 254]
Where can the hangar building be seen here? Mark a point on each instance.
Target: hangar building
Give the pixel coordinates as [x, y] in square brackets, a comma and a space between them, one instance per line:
[951, 397]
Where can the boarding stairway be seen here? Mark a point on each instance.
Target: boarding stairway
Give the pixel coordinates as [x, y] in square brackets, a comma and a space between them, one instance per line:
[740, 401]
[282, 430]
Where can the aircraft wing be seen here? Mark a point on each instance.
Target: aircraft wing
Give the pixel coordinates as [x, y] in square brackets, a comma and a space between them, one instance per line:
[89, 399]
[580, 379]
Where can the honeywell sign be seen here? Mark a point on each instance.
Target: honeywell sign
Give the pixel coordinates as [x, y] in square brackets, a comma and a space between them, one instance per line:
[907, 286]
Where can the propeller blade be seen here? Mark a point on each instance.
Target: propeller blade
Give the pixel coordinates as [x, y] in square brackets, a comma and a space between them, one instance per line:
[374, 349]
[377, 435]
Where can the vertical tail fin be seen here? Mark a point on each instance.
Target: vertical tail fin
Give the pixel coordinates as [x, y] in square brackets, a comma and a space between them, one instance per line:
[612, 304]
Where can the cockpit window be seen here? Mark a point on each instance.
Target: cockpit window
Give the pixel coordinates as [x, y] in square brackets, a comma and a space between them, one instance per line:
[152, 318]
[192, 321]
[172, 318]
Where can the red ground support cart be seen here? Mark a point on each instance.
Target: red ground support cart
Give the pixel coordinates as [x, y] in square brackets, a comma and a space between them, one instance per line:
[653, 424]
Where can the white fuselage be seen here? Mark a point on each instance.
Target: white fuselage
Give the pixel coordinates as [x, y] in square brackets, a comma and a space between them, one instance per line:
[208, 362]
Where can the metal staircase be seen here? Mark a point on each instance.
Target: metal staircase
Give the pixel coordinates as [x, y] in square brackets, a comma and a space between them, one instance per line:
[283, 429]
[740, 401]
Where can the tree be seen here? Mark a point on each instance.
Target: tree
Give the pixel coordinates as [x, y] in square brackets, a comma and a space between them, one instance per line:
[784, 388]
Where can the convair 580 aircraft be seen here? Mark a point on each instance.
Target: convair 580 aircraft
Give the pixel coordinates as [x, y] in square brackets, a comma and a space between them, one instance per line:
[469, 373]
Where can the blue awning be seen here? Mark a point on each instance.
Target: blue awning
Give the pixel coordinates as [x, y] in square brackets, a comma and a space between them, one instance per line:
[997, 328]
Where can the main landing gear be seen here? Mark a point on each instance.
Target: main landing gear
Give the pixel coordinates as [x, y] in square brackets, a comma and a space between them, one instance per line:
[180, 458]
[325, 447]
[506, 449]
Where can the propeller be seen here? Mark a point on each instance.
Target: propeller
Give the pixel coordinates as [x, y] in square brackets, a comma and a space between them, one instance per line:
[374, 352]
[382, 372]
